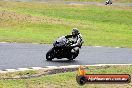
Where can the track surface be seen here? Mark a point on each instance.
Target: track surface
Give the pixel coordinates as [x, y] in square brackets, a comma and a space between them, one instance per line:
[13, 55]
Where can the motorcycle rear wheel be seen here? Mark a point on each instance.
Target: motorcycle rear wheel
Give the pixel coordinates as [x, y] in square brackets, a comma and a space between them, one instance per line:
[73, 56]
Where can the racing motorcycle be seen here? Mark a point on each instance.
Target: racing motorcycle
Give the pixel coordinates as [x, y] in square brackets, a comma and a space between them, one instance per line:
[61, 49]
[108, 2]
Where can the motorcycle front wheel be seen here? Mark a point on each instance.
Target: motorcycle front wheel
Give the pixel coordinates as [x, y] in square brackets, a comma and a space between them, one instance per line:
[50, 55]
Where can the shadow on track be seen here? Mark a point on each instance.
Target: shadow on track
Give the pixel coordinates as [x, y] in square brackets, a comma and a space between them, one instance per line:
[64, 61]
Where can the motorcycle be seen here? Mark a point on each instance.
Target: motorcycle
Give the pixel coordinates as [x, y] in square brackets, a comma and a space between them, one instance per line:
[61, 49]
[108, 2]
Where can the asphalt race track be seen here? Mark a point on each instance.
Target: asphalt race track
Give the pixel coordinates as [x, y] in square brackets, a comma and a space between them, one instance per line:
[14, 55]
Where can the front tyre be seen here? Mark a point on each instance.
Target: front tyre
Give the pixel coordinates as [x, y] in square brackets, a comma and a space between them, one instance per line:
[50, 55]
[106, 3]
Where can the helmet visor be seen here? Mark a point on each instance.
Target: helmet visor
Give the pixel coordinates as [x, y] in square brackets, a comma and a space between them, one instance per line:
[73, 33]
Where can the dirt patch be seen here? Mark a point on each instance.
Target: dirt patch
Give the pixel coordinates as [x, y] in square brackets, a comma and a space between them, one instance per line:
[14, 19]
[4, 15]
[39, 73]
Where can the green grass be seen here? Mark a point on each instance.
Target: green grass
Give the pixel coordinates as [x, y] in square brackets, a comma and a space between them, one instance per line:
[68, 79]
[43, 23]
[85, 0]
[19, 74]
[115, 1]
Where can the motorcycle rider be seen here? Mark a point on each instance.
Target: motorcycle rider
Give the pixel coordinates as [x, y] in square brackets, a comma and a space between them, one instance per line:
[76, 39]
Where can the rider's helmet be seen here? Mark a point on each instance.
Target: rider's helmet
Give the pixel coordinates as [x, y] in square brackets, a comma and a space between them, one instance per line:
[75, 32]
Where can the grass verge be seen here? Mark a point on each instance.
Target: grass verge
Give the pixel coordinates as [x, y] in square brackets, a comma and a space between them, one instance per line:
[114, 1]
[42, 23]
[68, 79]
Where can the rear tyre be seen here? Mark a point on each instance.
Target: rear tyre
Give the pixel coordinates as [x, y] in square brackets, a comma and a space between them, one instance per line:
[70, 59]
[50, 55]
[73, 55]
